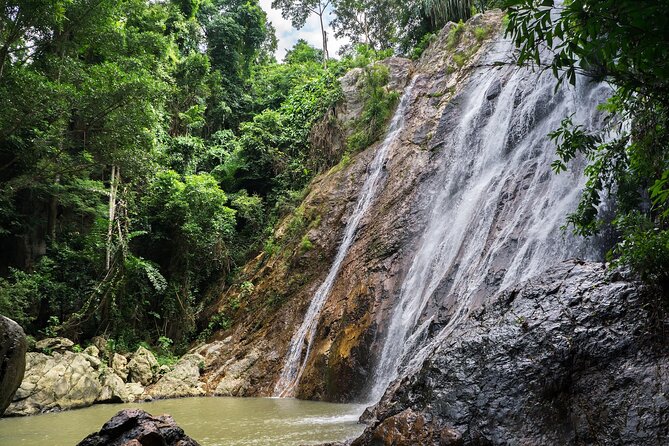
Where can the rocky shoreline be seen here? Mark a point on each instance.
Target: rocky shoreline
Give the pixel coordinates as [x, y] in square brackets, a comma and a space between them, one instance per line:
[64, 379]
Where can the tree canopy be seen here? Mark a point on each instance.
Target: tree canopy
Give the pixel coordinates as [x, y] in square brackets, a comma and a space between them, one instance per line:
[144, 147]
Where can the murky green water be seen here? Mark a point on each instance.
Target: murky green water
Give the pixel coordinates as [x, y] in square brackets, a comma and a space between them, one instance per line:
[210, 421]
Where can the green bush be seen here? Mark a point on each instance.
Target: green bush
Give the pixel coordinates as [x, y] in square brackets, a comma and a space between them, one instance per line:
[643, 247]
[305, 243]
[377, 109]
[422, 45]
[455, 34]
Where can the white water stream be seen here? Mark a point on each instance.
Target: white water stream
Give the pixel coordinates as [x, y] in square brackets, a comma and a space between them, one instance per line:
[300, 344]
[496, 208]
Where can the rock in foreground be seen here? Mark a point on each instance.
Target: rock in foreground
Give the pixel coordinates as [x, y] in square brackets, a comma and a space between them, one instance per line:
[13, 347]
[569, 358]
[134, 427]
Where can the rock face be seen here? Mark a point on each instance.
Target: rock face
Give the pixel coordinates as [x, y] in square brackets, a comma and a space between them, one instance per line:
[569, 357]
[13, 347]
[134, 427]
[246, 359]
[409, 428]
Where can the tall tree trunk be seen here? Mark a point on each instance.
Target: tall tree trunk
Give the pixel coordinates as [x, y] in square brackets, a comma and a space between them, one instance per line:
[113, 187]
[326, 56]
[53, 214]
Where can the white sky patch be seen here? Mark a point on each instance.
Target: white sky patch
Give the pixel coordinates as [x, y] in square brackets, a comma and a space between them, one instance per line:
[311, 31]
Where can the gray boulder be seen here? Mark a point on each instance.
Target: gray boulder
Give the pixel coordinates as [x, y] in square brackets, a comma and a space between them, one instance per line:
[142, 367]
[571, 357]
[13, 348]
[56, 382]
[183, 380]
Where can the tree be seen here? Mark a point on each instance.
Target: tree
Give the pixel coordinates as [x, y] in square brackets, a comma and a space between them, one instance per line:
[368, 22]
[302, 52]
[235, 32]
[297, 11]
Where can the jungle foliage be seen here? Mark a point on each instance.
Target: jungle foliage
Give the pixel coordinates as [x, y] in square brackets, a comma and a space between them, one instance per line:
[146, 149]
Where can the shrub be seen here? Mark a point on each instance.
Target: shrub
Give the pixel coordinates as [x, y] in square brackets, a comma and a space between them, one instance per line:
[377, 109]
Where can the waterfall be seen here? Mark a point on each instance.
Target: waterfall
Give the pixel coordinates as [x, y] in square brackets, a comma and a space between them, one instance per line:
[298, 352]
[495, 206]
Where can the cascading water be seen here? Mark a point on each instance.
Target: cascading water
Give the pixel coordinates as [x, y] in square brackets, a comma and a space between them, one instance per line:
[496, 208]
[298, 352]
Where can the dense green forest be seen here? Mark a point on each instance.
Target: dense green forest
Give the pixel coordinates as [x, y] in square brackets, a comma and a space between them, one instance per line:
[148, 149]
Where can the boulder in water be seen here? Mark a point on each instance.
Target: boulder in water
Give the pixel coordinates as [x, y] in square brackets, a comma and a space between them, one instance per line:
[13, 348]
[136, 392]
[113, 388]
[137, 427]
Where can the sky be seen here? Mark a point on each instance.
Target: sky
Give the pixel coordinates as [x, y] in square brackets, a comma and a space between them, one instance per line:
[311, 32]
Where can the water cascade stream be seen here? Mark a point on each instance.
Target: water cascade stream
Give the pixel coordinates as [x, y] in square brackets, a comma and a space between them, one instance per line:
[300, 344]
[496, 208]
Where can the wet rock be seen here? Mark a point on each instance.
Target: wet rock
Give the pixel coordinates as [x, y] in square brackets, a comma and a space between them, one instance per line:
[183, 380]
[13, 348]
[54, 344]
[119, 365]
[346, 340]
[136, 427]
[409, 428]
[58, 382]
[565, 358]
[142, 367]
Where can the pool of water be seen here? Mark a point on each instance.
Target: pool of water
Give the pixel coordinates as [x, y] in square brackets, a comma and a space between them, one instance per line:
[210, 421]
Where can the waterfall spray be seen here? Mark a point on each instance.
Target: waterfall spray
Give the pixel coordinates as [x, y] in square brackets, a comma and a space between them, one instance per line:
[496, 208]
